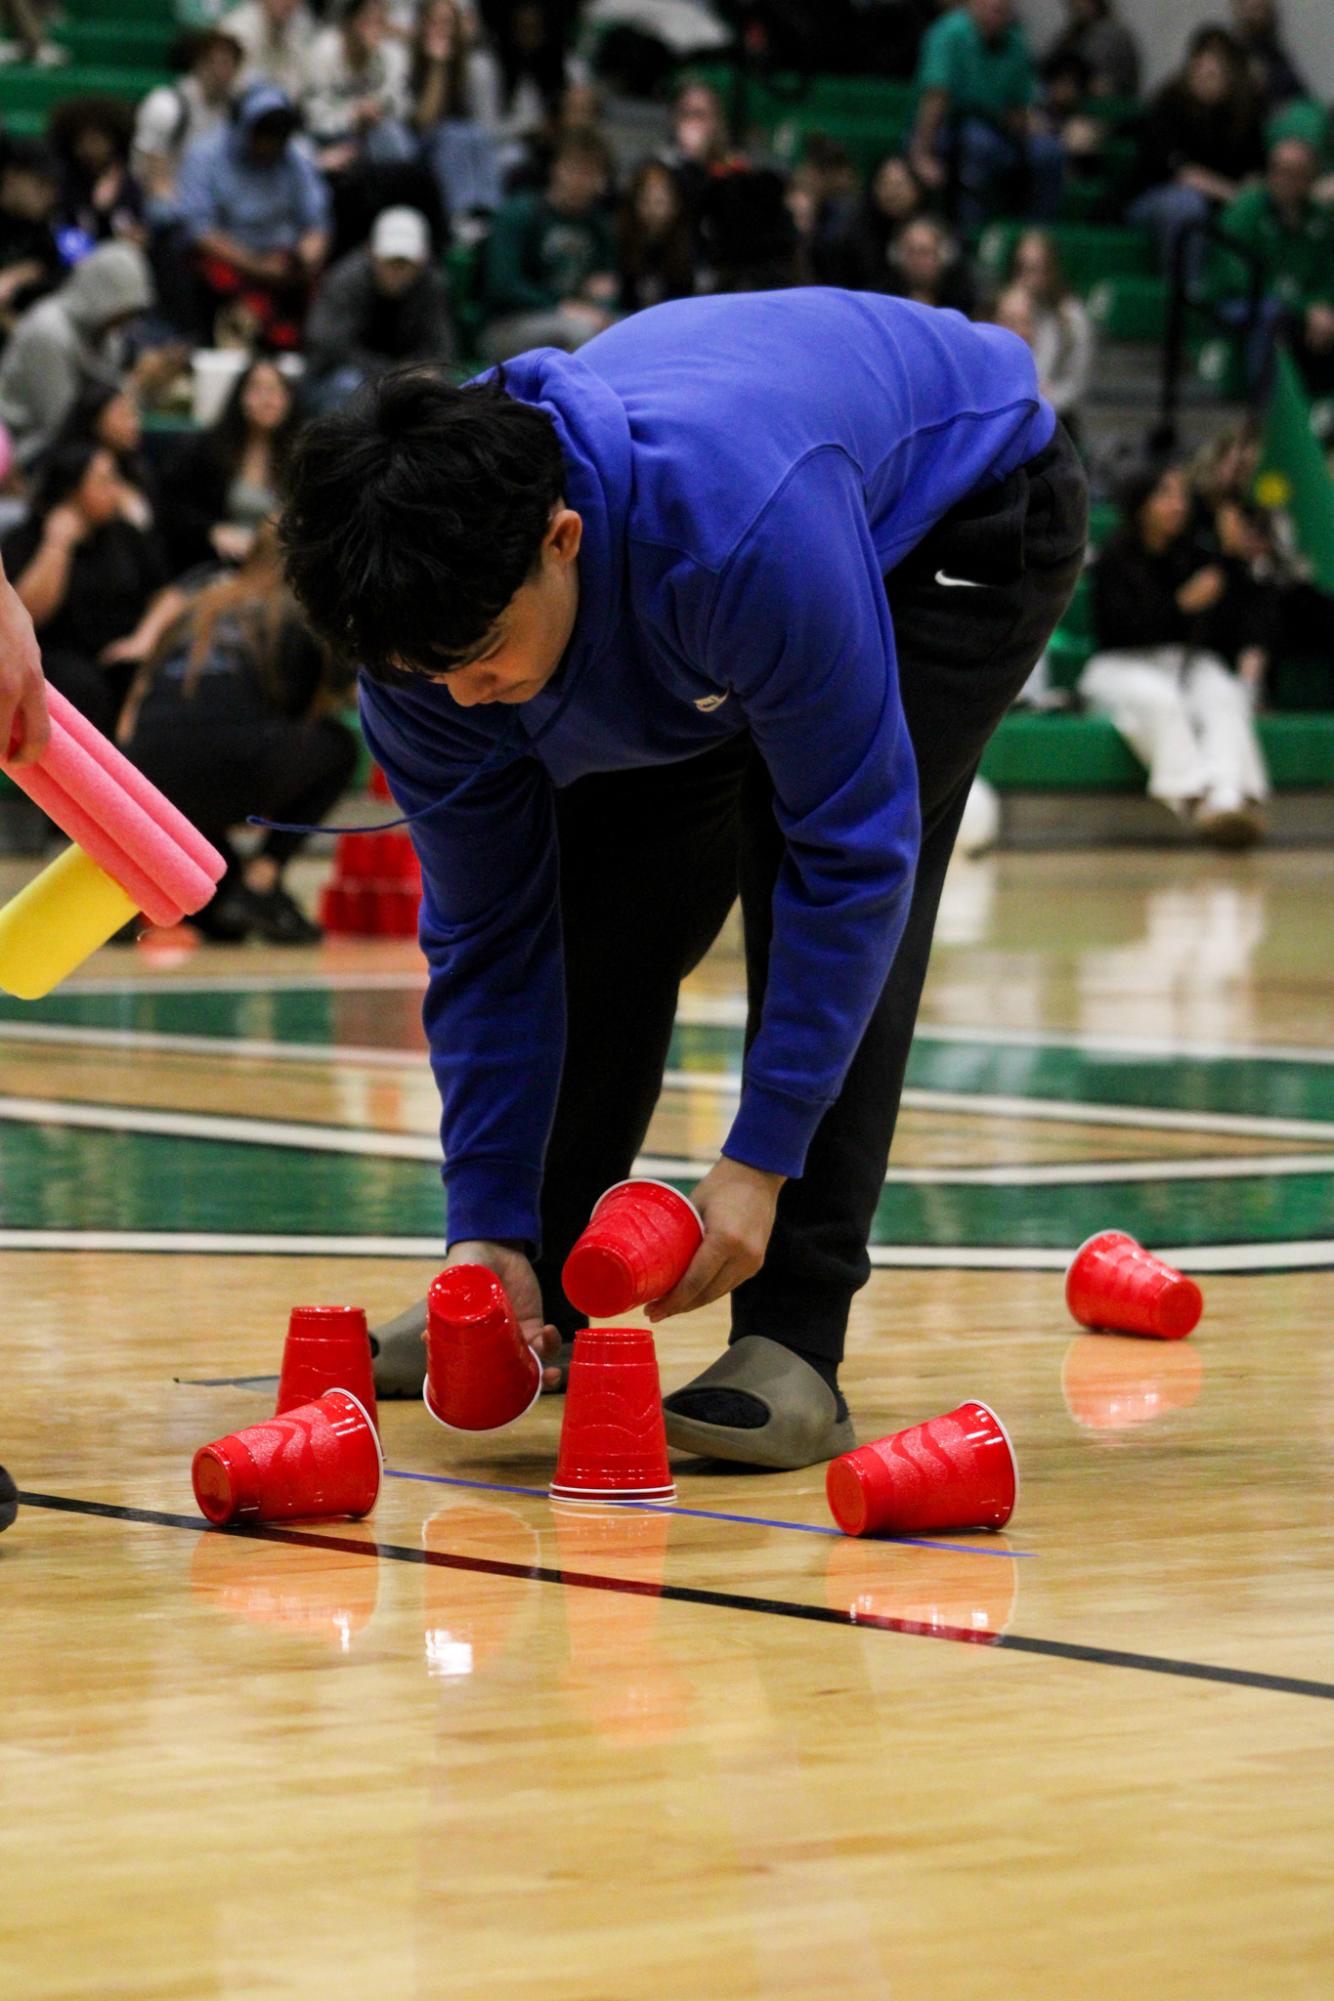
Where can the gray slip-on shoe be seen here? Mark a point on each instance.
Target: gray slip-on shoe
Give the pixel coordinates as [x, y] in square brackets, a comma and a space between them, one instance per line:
[398, 1354]
[803, 1426]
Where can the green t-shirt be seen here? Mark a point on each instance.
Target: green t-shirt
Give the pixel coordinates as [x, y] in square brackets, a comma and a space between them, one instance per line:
[1298, 261]
[536, 256]
[990, 78]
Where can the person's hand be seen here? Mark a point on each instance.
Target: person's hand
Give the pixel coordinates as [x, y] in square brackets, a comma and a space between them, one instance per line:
[108, 185]
[1320, 326]
[584, 309]
[65, 527]
[231, 541]
[1202, 591]
[737, 1204]
[929, 170]
[519, 1279]
[22, 688]
[123, 652]
[1252, 666]
[157, 366]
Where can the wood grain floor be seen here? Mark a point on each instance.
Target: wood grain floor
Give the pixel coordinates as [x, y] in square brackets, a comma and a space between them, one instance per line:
[444, 1753]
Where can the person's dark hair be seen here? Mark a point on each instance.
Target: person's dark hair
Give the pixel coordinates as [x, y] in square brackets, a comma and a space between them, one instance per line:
[227, 437]
[1136, 487]
[28, 156]
[413, 515]
[86, 410]
[193, 44]
[97, 112]
[60, 473]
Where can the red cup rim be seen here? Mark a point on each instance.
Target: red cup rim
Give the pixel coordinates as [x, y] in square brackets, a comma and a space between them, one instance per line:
[999, 1423]
[1096, 1238]
[625, 1496]
[649, 1181]
[480, 1430]
[339, 1391]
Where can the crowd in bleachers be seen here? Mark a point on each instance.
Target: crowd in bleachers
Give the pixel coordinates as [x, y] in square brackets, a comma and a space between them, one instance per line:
[316, 199]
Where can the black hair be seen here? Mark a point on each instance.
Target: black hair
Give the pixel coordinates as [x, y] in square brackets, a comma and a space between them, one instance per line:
[60, 473]
[95, 111]
[28, 156]
[227, 436]
[414, 513]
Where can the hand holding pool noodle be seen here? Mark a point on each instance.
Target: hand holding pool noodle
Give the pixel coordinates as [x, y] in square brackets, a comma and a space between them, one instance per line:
[133, 851]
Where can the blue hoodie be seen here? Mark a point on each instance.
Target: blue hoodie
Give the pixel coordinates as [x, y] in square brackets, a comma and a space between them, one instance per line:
[748, 469]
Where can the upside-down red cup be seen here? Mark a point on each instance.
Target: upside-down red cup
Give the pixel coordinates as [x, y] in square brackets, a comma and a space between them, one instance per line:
[480, 1372]
[323, 1458]
[1115, 1284]
[613, 1446]
[958, 1471]
[327, 1348]
[637, 1246]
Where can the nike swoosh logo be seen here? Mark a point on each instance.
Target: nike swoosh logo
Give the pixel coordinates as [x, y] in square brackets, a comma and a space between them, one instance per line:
[958, 583]
[708, 703]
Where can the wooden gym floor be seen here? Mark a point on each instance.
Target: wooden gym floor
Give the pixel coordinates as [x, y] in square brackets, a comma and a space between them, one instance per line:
[473, 1747]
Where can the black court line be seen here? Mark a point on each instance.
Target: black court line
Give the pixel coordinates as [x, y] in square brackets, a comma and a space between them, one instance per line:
[689, 1594]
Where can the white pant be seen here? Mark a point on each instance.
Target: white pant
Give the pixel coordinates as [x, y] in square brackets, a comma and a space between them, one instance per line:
[1185, 717]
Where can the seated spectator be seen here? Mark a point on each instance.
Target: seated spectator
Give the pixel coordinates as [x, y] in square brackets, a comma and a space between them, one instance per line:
[532, 46]
[976, 120]
[256, 215]
[30, 260]
[87, 577]
[379, 306]
[927, 266]
[454, 92]
[276, 36]
[1281, 224]
[701, 144]
[1104, 45]
[823, 198]
[178, 115]
[747, 235]
[550, 277]
[355, 93]
[1062, 332]
[235, 714]
[107, 416]
[1201, 140]
[657, 258]
[1158, 598]
[1275, 75]
[74, 336]
[223, 484]
[859, 258]
[100, 199]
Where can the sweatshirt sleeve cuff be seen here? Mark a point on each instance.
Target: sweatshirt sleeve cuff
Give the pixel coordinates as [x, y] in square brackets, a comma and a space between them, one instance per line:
[493, 1200]
[772, 1131]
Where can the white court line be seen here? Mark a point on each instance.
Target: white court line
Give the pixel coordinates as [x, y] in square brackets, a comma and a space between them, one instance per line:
[726, 1011]
[362, 1143]
[1302, 1255]
[722, 1083]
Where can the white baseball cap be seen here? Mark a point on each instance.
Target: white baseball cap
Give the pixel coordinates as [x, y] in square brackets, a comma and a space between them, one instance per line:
[401, 232]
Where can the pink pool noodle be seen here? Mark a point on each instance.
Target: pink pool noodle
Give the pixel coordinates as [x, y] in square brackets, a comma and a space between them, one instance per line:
[123, 825]
[171, 820]
[129, 832]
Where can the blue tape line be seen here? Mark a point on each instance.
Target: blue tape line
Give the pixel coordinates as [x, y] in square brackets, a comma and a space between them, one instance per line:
[709, 1515]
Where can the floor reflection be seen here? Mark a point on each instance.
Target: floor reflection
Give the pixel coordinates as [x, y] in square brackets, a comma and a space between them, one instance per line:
[1112, 1382]
[924, 1590]
[314, 1594]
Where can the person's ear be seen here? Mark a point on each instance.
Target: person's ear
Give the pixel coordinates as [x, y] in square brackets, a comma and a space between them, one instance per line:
[565, 533]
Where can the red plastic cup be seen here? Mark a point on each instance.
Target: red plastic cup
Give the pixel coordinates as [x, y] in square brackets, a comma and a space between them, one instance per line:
[480, 1372]
[638, 1244]
[613, 1446]
[327, 1348]
[323, 1458]
[1114, 1284]
[953, 1472]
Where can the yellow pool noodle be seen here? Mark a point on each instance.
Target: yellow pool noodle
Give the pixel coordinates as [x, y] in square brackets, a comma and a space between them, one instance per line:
[56, 922]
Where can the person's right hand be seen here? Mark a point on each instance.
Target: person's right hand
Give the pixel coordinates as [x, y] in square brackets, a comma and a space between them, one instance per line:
[929, 170]
[519, 1279]
[65, 526]
[1202, 591]
[22, 687]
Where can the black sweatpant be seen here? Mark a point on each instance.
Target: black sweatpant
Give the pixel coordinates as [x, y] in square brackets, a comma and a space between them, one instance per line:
[652, 859]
